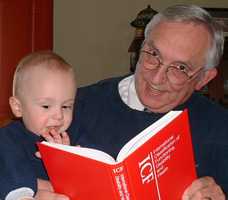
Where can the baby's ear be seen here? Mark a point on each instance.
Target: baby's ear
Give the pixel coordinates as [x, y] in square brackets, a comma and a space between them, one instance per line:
[15, 105]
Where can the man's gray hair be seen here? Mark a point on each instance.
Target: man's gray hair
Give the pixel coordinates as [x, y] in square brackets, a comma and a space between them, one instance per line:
[195, 14]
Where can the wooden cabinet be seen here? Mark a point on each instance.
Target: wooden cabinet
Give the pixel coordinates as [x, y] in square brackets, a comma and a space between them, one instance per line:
[25, 26]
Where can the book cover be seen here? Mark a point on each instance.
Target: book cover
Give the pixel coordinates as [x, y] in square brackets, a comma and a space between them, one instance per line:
[156, 164]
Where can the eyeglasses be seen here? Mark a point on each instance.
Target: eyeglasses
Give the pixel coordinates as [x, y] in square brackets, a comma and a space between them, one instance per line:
[177, 72]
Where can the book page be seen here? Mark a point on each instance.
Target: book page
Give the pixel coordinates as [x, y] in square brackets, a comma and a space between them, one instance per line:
[146, 134]
[82, 151]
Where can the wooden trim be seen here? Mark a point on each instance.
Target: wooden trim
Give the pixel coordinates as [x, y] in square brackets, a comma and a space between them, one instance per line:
[42, 25]
[25, 26]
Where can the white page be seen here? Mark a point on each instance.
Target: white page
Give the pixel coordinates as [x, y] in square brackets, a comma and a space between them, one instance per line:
[142, 137]
[82, 151]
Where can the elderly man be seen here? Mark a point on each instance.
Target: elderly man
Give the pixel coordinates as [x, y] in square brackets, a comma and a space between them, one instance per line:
[182, 47]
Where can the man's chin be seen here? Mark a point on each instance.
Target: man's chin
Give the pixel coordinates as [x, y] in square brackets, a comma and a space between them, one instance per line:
[157, 107]
[154, 99]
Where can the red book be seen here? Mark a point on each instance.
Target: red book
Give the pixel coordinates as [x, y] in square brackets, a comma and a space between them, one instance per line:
[157, 164]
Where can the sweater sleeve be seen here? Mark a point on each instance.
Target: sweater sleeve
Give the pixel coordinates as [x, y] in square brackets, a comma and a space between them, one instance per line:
[20, 193]
[16, 169]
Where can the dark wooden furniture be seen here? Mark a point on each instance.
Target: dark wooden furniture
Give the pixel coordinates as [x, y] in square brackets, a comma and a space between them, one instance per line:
[25, 26]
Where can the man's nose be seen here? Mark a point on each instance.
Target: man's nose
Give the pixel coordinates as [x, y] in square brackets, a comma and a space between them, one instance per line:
[159, 75]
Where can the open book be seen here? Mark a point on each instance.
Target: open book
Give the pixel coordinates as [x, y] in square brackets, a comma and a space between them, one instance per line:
[156, 164]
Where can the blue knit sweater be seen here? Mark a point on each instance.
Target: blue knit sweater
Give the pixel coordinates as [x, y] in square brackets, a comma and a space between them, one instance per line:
[18, 165]
[104, 122]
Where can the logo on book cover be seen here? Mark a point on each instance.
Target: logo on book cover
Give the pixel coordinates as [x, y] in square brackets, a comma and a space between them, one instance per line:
[146, 169]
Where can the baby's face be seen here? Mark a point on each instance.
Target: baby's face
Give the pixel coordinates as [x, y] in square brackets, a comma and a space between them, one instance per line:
[48, 100]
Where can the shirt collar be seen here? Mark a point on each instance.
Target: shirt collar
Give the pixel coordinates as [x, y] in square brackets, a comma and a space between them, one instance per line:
[128, 93]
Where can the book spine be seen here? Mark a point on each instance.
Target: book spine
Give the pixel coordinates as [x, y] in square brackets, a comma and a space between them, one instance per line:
[121, 182]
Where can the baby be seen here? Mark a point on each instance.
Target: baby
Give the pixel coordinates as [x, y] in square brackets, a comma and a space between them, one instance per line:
[44, 89]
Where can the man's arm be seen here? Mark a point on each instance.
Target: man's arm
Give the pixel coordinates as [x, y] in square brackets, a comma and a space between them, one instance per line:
[202, 189]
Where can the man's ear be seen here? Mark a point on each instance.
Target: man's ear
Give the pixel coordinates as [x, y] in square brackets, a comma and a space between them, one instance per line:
[15, 105]
[206, 77]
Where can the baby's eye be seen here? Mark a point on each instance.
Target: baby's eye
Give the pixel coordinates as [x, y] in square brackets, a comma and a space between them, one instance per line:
[66, 107]
[45, 106]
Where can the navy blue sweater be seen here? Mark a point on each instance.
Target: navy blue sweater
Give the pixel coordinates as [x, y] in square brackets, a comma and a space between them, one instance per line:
[103, 121]
[18, 165]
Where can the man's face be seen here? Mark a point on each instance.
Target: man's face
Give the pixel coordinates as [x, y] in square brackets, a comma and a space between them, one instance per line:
[172, 43]
[48, 100]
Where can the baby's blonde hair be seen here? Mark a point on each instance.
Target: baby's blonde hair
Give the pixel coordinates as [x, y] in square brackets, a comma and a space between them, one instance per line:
[44, 59]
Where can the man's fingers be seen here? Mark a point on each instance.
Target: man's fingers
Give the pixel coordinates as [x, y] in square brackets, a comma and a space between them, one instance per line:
[212, 192]
[199, 184]
[203, 188]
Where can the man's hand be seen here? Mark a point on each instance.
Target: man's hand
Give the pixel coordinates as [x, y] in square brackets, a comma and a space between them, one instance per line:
[204, 188]
[45, 192]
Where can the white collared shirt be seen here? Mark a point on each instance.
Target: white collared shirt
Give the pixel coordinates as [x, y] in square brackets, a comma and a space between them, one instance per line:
[128, 93]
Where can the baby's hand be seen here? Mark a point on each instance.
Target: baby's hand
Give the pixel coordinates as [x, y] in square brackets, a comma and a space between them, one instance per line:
[53, 136]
